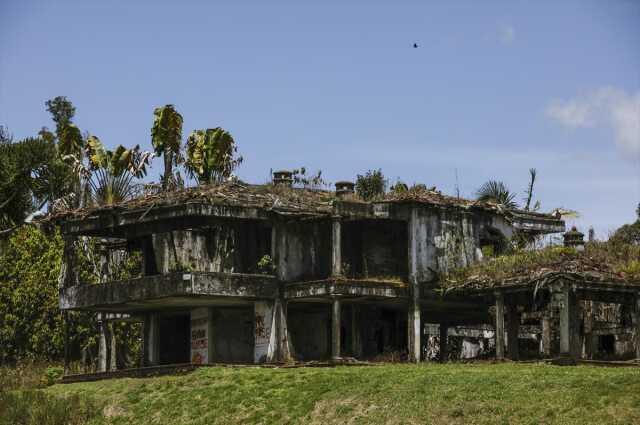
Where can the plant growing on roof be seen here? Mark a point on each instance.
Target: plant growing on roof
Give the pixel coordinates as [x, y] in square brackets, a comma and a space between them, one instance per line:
[372, 185]
[211, 155]
[496, 192]
[109, 174]
[166, 136]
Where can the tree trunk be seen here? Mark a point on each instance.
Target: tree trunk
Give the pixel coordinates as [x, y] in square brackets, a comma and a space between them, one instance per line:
[168, 168]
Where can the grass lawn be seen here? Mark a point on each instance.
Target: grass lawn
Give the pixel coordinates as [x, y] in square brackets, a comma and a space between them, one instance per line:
[396, 394]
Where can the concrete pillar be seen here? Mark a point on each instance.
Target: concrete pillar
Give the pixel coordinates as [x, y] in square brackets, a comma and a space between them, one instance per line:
[499, 326]
[67, 360]
[444, 349]
[566, 307]
[414, 325]
[513, 328]
[546, 339]
[264, 330]
[336, 248]
[356, 335]
[280, 349]
[635, 315]
[151, 339]
[113, 350]
[335, 329]
[102, 344]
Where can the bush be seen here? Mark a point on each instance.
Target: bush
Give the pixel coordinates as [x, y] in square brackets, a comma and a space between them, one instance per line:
[52, 375]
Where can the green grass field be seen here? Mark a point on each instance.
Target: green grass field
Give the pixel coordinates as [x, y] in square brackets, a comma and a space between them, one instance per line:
[394, 394]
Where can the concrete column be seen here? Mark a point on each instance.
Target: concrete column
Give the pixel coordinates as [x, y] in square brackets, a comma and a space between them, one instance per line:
[499, 326]
[414, 325]
[513, 327]
[545, 324]
[113, 353]
[336, 248]
[102, 344]
[444, 349]
[636, 326]
[65, 319]
[356, 337]
[151, 339]
[566, 313]
[335, 329]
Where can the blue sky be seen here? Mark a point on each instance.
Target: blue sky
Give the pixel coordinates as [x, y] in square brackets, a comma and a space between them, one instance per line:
[493, 89]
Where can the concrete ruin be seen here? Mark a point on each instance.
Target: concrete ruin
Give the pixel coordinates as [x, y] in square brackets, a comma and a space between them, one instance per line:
[241, 273]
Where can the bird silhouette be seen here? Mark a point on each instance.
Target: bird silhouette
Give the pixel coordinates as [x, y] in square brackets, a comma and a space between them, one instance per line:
[415, 45]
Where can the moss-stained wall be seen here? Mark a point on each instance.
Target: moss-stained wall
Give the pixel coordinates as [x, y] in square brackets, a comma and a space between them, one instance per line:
[231, 247]
[303, 250]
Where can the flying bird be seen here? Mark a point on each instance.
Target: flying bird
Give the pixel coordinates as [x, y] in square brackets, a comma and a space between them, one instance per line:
[415, 45]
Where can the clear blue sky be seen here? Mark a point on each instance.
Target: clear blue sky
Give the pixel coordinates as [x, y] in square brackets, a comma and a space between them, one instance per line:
[493, 89]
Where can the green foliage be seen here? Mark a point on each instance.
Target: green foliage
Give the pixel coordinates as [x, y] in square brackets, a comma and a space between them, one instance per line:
[266, 265]
[496, 192]
[62, 112]
[628, 233]
[30, 174]
[372, 185]
[211, 155]
[109, 174]
[53, 375]
[30, 320]
[386, 394]
[33, 407]
[307, 181]
[166, 137]
[619, 259]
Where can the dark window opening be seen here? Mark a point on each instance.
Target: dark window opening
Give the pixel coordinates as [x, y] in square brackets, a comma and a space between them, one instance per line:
[175, 339]
[375, 248]
[492, 242]
[607, 344]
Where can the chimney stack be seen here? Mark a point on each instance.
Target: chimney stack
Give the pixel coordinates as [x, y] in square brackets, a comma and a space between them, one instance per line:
[283, 177]
[344, 189]
[574, 239]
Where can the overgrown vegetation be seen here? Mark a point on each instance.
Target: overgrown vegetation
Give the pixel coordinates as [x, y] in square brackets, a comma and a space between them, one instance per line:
[372, 185]
[609, 259]
[393, 393]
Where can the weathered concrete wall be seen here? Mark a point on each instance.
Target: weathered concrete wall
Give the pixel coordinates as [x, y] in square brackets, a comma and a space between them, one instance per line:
[264, 331]
[232, 247]
[446, 239]
[201, 335]
[372, 248]
[233, 335]
[303, 250]
[309, 327]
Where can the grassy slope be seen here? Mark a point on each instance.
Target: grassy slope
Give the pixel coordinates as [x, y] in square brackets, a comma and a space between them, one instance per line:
[476, 393]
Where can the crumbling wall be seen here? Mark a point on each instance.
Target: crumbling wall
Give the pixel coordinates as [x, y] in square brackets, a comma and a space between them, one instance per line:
[233, 334]
[310, 331]
[442, 240]
[304, 250]
[231, 247]
[375, 248]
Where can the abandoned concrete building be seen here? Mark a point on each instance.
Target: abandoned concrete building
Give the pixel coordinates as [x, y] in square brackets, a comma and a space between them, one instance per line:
[272, 273]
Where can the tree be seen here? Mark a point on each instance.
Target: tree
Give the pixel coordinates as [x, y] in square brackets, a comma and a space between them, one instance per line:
[629, 233]
[62, 112]
[496, 192]
[166, 136]
[372, 185]
[211, 155]
[532, 180]
[109, 174]
[31, 174]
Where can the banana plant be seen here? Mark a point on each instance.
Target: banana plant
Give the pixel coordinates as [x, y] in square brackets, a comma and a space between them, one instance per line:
[166, 137]
[211, 155]
[109, 174]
